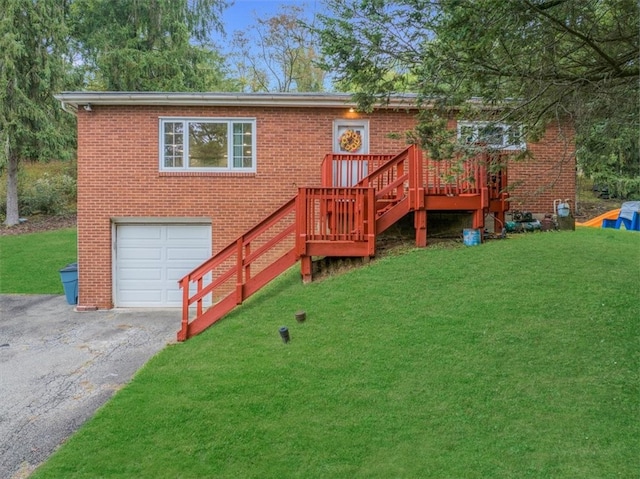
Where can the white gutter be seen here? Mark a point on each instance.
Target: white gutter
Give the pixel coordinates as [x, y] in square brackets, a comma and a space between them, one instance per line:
[65, 107]
[72, 100]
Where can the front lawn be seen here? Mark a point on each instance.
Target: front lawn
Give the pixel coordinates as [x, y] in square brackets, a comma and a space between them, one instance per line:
[30, 263]
[517, 358]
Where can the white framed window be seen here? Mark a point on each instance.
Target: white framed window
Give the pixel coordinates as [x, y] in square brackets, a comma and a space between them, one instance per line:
[207, 144]
[499, 136]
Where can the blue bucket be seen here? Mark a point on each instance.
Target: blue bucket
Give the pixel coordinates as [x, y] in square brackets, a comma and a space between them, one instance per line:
[471, 237]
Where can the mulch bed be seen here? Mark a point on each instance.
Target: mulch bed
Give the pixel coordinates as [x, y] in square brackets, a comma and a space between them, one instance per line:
[39, 223]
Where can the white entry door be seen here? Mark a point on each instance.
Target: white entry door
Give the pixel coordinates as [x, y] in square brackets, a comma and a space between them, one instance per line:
[151, 258]
[350, 137]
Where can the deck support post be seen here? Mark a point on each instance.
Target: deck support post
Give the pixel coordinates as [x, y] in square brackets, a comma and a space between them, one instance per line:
[498, 221]
[420, 224]
[478, 219]
[306, 269]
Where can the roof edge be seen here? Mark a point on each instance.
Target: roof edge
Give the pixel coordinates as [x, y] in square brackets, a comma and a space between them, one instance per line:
[72, 100]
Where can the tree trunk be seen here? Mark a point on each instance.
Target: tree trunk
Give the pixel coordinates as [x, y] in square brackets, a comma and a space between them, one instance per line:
[12, 188]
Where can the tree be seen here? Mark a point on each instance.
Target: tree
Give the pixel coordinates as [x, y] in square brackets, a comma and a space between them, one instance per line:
[538, 60]
[609, 154]
[156, 45]
[33, 68]
[285, 58]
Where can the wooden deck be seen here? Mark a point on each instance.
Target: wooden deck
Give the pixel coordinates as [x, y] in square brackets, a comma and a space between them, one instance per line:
[361, 196]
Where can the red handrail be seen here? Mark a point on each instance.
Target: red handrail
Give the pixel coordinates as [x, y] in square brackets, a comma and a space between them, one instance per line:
[344, 170]
[362, 195]
[274, 237]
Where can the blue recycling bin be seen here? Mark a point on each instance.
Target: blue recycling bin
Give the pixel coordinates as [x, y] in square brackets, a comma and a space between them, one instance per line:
[69, 277]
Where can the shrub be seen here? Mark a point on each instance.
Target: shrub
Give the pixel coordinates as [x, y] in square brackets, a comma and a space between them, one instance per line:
[45, 188]
[50, 195]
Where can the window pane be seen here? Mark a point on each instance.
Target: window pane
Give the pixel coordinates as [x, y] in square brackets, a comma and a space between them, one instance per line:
[467, 133]
[514, 136]
[492, 135]
[173, 144]
[242, 145]
[207, 145]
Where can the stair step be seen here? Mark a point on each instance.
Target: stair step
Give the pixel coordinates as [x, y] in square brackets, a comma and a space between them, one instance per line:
[382, 211]
[387, 204]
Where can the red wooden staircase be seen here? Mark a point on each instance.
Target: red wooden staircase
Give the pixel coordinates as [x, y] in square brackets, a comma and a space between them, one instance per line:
[361, 197]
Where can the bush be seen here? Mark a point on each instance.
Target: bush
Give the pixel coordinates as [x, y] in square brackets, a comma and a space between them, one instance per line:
[43, 188]
[622, 187]
[50, 195]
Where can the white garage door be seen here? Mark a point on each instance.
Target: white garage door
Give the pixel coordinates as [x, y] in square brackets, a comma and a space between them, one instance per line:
[151, 258]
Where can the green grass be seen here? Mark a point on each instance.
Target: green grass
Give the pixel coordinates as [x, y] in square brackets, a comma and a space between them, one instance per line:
[30, 263]
[514, 359]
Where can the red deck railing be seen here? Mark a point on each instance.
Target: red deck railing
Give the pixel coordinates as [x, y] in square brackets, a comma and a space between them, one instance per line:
[239, 270]
[361, 196]
[336, 222]
[455, 176]
[345, 170]
[432, 177]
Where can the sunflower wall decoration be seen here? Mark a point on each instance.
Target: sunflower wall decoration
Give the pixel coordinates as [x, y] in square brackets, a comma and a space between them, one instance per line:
[350, 141]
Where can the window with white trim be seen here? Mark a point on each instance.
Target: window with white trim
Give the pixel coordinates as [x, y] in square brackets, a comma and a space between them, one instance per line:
[499, 136]
[207, 144]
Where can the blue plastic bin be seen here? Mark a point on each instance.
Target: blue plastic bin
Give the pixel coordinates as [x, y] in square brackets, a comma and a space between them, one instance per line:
[471, 237]
[69, 277]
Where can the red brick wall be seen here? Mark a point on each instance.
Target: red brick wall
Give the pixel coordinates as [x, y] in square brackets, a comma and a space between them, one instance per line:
[118, 175]
[549, 174]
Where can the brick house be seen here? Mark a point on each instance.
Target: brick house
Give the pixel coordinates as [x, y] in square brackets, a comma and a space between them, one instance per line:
[167, 179]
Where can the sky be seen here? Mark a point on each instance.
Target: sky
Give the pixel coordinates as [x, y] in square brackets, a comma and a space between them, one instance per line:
[244, 12]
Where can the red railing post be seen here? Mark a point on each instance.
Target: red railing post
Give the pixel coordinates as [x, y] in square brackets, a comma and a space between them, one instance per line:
[402, 166]
[239, 268]
[199, 304]
[481, 180]
[247, 266]
[301, 221]
[414, 177]
[360, 214]
[420, 180]
[371, 221]
[326, 170]
[184, 326]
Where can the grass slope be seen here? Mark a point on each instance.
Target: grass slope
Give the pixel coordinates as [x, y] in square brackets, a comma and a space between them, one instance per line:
[516, 358]
[30, 263]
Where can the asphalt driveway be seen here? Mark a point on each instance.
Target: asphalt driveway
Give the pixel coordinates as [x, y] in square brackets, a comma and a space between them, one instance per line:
[57, 367]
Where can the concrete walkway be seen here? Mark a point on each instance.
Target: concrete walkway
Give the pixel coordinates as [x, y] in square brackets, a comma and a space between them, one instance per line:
[57, 367]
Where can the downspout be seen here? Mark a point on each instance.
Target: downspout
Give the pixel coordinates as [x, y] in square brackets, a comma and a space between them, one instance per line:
[65, 107]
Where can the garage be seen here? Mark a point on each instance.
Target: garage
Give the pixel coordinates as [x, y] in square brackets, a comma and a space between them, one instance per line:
[151, 258]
